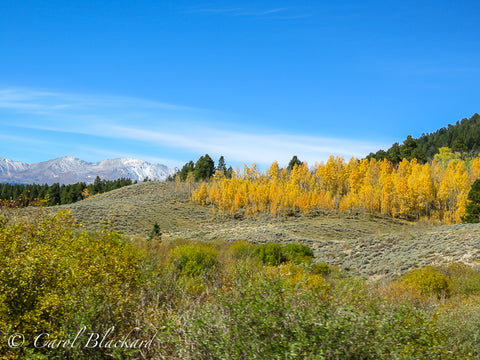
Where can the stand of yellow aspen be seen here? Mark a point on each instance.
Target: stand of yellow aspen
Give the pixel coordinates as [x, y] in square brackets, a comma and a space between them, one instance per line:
[436, 191]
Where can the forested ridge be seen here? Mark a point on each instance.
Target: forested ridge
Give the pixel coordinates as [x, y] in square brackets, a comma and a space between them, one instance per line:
[429, 177]
[19, 195]
[463, 137]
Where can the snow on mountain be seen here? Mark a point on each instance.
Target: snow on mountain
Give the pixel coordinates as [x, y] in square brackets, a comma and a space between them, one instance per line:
[70, 170]
[8, 166]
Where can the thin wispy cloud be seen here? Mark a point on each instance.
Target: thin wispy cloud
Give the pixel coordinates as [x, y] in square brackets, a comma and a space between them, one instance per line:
[215, 11]
[259, 12]
[21, 98]
[108, 154]
[15, 139]
[133, 127]
[247, 147]
[275, 13]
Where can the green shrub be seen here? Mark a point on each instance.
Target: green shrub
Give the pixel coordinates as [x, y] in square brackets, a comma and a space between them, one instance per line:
[194, 259]
[472, 210]
[264, 319]
[271, 254]
[464, 279]
[321, 269]
[155, 233]
[428, 281]
[298, 253]
[459, 322]
[56, 279]
[242, 250]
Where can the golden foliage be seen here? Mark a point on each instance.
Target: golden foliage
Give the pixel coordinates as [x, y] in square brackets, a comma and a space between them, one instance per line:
[409, 190]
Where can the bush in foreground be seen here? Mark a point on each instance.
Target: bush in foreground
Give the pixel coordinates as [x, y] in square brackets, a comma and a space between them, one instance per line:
[56, 278]
[429, 282]
[194, 259]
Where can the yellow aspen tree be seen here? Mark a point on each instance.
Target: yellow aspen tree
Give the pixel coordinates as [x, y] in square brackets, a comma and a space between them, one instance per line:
[352, 179]
[273, 172]
[444, 156]
[387, 185]
[214, 193]
[373, 178]
[369, 195]
[201, 196]
[413, 184]
[319, 175]
[85, 194]
[240, 200]
[190, 180]
[462, 186]
[475, 170]
[354, 174]
[426, 190]
[333, 174]
[402, 192]
[275, 195]
[449, 189]
[347, 201]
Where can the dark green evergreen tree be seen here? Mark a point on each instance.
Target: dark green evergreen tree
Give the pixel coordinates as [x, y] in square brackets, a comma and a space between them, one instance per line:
[64, 195]
[472, 211]
[33, 193]
[221, 166]
[459, 145]
[186, 169]
[229, 172]
[54, 194]
[155, 233]
[293, 162]
[97, 186]
[204, 168]
[406, 150]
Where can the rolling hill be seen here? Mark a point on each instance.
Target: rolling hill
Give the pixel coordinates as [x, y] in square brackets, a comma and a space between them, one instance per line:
[356, 242]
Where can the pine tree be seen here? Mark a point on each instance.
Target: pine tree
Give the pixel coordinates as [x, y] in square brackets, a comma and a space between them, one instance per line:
[204, 168]
[221, 165]
[472, 211]
[155, 233]
[293, 162]
[54, 194]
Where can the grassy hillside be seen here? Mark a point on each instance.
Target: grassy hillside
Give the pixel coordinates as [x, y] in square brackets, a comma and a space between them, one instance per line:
[357, 242]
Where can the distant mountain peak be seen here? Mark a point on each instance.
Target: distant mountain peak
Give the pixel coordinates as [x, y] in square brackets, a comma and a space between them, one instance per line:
[70, 170]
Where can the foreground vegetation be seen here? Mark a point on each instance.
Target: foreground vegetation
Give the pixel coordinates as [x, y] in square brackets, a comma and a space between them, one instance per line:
[192, 300]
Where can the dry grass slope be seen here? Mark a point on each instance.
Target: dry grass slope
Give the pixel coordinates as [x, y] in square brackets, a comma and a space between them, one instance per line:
[359, 243]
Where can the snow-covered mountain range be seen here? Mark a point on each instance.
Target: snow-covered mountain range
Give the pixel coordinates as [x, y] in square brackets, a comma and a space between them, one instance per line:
[70, 170]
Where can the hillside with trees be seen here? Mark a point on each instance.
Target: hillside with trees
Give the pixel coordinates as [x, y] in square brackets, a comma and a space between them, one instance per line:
[203, 169]
[436, 191]
[20, 195]
[463, 137]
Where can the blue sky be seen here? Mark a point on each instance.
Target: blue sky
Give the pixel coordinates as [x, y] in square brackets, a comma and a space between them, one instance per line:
[255, 81]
